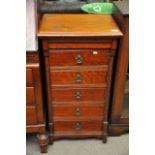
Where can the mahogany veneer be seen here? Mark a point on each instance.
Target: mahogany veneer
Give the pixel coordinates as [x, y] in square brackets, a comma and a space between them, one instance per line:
[78, 52]
[60, 95]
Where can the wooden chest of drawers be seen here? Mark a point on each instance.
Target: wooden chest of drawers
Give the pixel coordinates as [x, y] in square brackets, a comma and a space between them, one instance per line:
[34, 103]
[35, 116]
[78, 51]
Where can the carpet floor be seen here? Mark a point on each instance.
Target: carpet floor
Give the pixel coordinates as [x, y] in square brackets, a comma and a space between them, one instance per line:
[114, 146]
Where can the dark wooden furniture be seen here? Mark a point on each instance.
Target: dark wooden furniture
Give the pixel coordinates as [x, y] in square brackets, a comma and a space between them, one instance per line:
[35, 119]
[119, 119]
[78, 51]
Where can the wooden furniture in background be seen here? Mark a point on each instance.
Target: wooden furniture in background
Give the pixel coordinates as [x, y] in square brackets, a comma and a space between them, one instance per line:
[119, 119]
[78, 52]
[35, 119]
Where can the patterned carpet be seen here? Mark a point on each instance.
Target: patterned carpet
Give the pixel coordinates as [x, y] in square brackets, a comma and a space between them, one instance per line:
[115, 146]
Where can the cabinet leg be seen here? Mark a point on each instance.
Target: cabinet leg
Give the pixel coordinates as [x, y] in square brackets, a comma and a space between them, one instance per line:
[43, 148]
[43, 142]
[105, 134]
[104, 140]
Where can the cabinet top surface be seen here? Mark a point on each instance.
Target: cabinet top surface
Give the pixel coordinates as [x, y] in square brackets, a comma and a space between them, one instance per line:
[78, 25]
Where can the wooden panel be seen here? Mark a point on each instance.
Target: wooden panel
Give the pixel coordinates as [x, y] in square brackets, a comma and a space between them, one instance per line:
[78, 57]
[84, 126]
[39, 128]
[79, 111]
[118, 129]
[34, 103]
[31, 117]
[120, 76]
[70, 25]
[79, 45]
[30, 96]
[32, 57]
[91, 75]
[77, 135]
[118, 124]
[78, 95]
[29, 76]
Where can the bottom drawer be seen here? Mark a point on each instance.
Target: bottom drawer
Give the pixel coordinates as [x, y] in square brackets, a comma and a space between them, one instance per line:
[78, 126]
[78, 129]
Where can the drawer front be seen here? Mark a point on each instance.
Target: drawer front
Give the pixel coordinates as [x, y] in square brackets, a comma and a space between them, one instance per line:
[78, 57]
[62, 77]
[29, 76]
[79, 43]
[78, 95]
[77, 111]
[31, 118]
[30, 96]
[78, 126]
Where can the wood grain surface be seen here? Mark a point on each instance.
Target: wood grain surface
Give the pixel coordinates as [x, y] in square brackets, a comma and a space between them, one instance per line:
[78, 57]
[94, 75]
[78, 25]
[77, 95]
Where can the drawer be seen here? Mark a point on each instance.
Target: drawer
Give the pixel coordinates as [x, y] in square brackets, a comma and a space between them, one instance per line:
[31, 117]
[78, 43]
[78, 57]
[29, 76]
[81, 75]
[78, 95]
[78, 126]
[30, 96]
[77, 111]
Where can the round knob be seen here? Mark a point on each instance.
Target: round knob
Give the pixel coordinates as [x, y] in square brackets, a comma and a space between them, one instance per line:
[78, 78]
[77, 95]
[78, 112]
[77, 126]
[79, 59]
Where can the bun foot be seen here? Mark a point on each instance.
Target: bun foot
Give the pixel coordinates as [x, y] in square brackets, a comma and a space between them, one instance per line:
[43, 149]
[43, 142]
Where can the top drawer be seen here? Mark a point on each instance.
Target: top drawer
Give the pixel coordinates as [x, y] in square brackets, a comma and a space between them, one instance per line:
[78, 57]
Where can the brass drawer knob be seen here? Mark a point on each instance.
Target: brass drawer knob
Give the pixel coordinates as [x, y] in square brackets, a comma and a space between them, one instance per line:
[78, 78]
[78, 112]
[77, 95]
[79, 59]
[77, 126]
